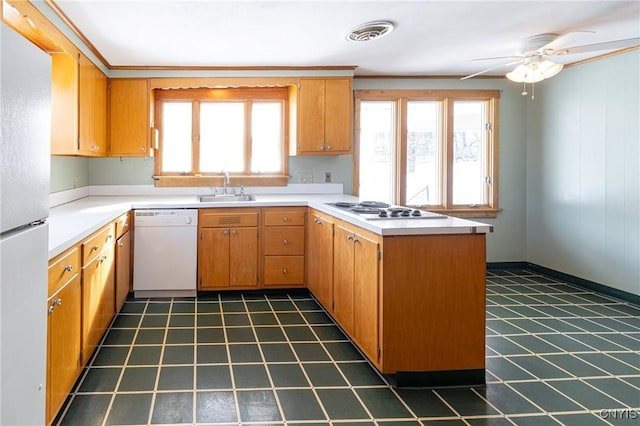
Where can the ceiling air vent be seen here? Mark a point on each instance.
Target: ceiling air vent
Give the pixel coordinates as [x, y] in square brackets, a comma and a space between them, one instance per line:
[370, 31]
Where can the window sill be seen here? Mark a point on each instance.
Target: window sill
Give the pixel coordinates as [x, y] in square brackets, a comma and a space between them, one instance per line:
[468, 213]
[234, 181]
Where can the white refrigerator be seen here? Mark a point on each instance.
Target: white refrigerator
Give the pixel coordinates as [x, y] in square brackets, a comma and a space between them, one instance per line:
[25, 92]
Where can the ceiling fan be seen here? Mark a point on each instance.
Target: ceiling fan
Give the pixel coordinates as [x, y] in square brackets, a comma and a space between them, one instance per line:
[533, 63]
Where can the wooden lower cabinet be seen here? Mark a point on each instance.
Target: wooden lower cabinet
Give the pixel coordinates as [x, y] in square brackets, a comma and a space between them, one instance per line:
[81, 305]
[343, 270]
[228, 257]
[414, 304]
[283, 247]
[98, 289]
[320, 257]
[63, 330]
[123, 269]
[228, 249]
[356, 287]
[433, 304]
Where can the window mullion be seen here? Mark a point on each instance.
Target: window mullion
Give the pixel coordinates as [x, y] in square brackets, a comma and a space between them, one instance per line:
[400, 185]
[247, 136]
[447, 169]
[195, 138]
[158, 125]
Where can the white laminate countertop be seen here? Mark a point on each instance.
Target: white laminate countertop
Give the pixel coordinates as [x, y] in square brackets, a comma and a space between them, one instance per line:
[72, 222]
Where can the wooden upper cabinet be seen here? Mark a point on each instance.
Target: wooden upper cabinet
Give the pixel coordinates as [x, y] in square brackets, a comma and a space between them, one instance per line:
[129, 118]
[324, 116]
[64, 104]
[79, 107]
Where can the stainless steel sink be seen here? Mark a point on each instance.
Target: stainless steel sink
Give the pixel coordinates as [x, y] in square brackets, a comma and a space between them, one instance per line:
[221, 198]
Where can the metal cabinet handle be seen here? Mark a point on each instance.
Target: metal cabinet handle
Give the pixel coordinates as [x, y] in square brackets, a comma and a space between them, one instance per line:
[349, 237]
[285, 242]
[234, 232]
[285, 271]
[225, 232]
[285, 218]
[355, 240]
[142, 149]
[121, 244]
[94, 248]
[321, 147]
[110, 236]
[58, 302]
[68, 268]
[51, 309]
[318, 221]
[103, 258]
[328, 147]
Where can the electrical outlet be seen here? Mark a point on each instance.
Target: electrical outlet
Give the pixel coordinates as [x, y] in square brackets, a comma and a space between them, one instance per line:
[305, 177]
[327, 177]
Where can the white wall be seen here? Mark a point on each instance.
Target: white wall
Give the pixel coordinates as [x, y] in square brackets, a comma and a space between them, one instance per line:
[583, 184]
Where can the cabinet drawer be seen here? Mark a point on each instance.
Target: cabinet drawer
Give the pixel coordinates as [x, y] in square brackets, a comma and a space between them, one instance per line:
[93, 245]
[63, 268]
[284, 240]
[283, 270]
[228, 218]
[123, 224]
[284, 217]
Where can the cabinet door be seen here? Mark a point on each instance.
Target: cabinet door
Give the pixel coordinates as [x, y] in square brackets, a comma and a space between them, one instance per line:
[63, 345]
[86, 113]
[243, 257]
[98, 300]
[123, 269]
[100, 112]
[108, 282]
[366, 301]
[64, 104]
[311, 120]
[338, 112]
[213, 258]
[92, 109]
[129, 120]
[320, 259]
[343, 273]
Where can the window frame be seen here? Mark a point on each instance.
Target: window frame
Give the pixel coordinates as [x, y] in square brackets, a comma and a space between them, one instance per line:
[237, 94]
[446, 98]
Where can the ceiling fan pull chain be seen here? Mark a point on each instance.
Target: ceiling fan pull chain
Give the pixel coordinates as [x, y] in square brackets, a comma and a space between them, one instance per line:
[524, 88]
[533, 91]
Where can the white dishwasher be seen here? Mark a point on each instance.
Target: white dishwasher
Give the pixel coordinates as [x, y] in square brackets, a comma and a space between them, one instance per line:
[165, 254]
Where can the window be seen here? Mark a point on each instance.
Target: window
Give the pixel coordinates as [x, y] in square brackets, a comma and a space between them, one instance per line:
[203, 133]
[435, 149]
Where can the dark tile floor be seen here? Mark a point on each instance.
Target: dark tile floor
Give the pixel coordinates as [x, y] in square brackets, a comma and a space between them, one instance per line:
[556, 354]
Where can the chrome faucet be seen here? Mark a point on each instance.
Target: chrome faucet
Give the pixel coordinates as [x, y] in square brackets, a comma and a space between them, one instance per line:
[226, 181]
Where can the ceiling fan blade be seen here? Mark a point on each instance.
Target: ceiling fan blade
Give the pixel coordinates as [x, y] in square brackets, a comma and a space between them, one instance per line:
[491, 69]
[499, 57]
[607, 45]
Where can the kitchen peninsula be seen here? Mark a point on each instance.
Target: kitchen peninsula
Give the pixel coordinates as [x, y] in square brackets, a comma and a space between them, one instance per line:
[409, 293]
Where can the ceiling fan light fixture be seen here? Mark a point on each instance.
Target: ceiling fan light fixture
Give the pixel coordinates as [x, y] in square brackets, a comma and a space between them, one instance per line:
[534, 71]
[370, 31]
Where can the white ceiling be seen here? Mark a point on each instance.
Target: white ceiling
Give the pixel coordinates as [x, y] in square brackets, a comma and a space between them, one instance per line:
[430, 38]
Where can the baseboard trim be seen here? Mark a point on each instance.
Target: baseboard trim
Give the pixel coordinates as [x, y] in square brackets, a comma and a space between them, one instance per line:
[437, 379]
[571, 279]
